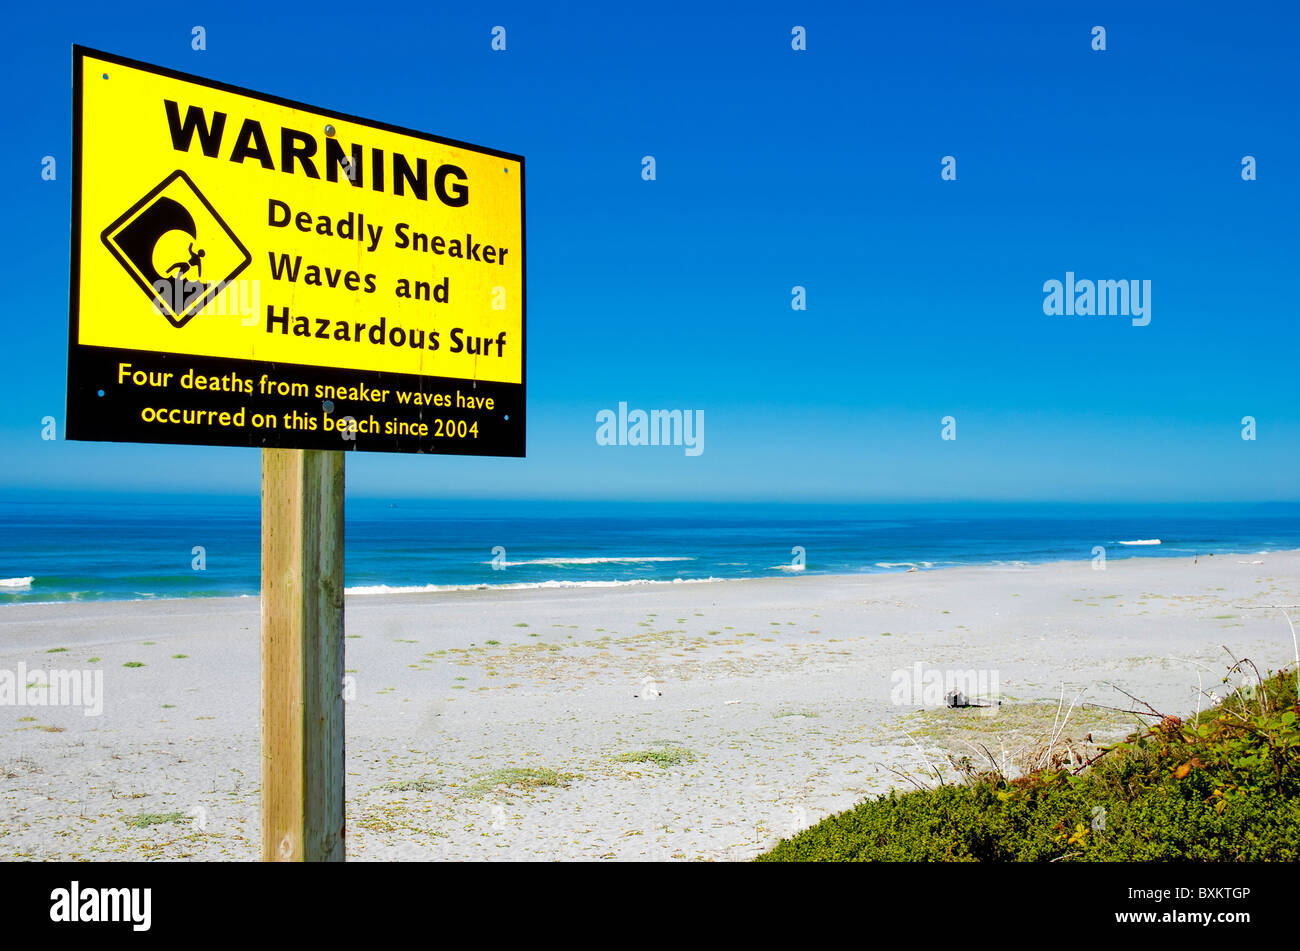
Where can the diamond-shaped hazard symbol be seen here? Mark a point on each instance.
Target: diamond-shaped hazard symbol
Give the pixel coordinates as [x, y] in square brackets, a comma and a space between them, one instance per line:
[176, 246]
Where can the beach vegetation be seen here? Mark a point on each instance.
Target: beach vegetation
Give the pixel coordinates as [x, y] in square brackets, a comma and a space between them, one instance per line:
[411, 785]
[663, 755]
[1222, 785]
[521, 778]
[147, 819]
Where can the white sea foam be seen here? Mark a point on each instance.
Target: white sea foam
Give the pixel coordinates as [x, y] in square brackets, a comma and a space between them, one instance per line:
[428, 588]
[588, 561]
[1143, 541]
[786, 567]
[17, 582]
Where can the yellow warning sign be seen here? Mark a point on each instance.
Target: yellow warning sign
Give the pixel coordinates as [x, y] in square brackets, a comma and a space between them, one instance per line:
[227, 232]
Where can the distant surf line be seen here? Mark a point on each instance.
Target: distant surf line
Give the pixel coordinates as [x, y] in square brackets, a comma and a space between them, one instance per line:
[519, 585]
[592, 561]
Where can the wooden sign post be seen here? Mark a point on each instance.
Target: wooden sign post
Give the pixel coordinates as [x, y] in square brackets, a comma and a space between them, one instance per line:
[302, 656]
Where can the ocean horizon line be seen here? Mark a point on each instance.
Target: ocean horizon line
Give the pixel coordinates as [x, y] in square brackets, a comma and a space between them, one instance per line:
[146, 496]
[784, 572]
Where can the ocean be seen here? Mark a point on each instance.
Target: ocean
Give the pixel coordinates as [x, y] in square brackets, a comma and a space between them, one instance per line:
[127, 548]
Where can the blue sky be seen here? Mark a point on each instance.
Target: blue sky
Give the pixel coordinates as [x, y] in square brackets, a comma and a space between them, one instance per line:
[776, 168]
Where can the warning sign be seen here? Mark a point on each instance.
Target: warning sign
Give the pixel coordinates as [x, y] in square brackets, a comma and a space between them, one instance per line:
[252, 271]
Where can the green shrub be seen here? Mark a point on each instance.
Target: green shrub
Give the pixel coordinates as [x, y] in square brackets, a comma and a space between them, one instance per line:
[1225, 788]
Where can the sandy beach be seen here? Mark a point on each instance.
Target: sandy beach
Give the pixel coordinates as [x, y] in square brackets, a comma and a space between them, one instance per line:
[692, 721]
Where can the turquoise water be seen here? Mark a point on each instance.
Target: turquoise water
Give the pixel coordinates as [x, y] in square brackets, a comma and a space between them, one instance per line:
[124, 548]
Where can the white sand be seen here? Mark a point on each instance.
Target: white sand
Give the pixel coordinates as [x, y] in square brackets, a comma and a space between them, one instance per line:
[779, 688]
